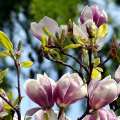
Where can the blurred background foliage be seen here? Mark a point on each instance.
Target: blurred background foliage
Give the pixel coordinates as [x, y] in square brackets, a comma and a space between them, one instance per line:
[15, 18]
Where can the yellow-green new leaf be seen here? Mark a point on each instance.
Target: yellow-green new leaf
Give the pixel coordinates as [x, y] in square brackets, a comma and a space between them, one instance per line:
[4, 53]
[96, 62]
[26, 64]
[96, 75]
[5, 41]
[70, 46]
[102, 31]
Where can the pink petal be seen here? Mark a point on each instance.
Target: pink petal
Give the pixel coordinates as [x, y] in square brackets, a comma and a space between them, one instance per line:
[117, 74]
[46, 22]
[69, 89]
[102, 92]
[40, 91]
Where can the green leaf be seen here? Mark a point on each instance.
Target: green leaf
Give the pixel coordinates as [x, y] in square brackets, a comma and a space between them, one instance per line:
[102, 31]
[5, 41]
[96, 62]
[26, 64]
[3, 74]
[4, 53]
[72, 46]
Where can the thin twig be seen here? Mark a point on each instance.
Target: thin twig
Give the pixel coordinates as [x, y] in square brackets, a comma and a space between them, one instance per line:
[64, 64]
[90, 64]
[74, 58]
[8, 103]
[105, 61]
[79, 62]
[16, 110]
[18, 84]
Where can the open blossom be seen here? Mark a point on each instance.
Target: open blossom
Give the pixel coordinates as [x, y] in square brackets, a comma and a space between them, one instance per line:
[47, 26]
[69, 89]
[117, 74]
[38, 29]
[95, 14]
[101, 114]
[45, 115]
[102, 92]
[117, 78]
[48, 115]
[41, 90]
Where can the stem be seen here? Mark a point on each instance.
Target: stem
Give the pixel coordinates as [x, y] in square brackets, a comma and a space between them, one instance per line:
[106, 60]
[90, 63]
[61, 112]
[16, 110]
[18, 79]
[18, 84]
[74, 58]
[80, 61]
[64, 64]
[86, 112]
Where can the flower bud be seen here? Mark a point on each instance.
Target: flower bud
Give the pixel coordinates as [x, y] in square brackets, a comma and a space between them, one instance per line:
[95, 14]
[41, 91]
[99, 16]
[69, 89]
[102, 92]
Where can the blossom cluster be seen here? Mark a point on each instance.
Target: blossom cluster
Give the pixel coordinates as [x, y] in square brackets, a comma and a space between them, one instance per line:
[44, 91]
[70, 88]
[86, 83]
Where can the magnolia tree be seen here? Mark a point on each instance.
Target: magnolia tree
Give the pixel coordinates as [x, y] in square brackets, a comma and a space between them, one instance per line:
[86, 82]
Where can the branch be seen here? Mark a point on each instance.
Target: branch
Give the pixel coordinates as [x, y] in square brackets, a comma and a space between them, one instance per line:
[18, 84]
[64, 64]
[79, 62]
[105, 61]
[74, 58]
[90, 64]
[16, 110]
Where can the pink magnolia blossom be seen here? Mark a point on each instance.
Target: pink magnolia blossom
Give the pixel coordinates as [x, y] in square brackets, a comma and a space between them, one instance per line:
[117, 78]
[101, 114]
[45, 115]
[117, 74]
[69, 89]
[94, 13]
[102, 92]
[46, 23]
[48, 115]
[41, 90]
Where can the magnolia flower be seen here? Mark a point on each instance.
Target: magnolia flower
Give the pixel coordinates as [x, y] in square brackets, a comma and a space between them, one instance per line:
[102, 92]
[45, 115]
[46, 24]
[69, 89]
[117, 78]
[117, 74]
[41, 90]
[95, 14]
[101, 114]
[48, 115]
